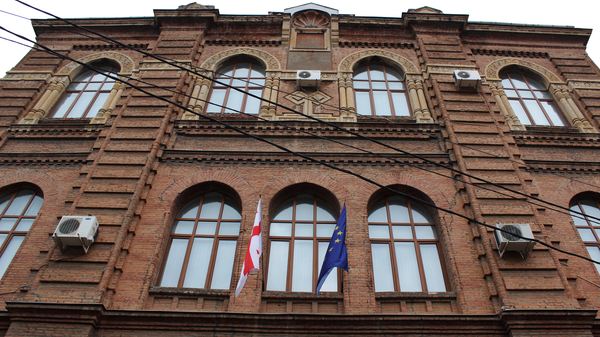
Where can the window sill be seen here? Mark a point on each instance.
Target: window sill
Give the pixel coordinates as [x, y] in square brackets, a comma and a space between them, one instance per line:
[416, 295]
[65, 121]
[168, 291]
[296, 295]
[553, 129]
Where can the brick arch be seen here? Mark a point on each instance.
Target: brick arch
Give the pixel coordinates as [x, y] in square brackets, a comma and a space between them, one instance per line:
[569, 190]
[125, 62]
[44, 182]
[492, 70]
[234, 181]
[316, 178]
[366, 190]
[268, 61]
[349, 62]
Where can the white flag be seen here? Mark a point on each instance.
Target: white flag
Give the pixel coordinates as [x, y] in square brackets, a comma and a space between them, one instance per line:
[252, 259]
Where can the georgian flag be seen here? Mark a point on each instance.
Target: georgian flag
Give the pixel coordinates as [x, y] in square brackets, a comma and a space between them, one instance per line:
[252, 260]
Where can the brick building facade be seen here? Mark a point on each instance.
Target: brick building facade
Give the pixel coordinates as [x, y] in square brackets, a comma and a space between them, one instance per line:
[175, 193]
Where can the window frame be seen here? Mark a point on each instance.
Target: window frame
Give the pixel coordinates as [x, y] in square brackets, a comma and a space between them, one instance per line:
[193, 235]
[13, 232]
[416, 243]
[79, 92]
[250, 84]
[532, 90]
[594, 229]
[317, 264]
[389, 91]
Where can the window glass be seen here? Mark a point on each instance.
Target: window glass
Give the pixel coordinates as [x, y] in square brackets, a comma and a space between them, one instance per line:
[415, 262]
[379, 90]
[224, 264]
[86, 95]
[296, 242]
[588, 226]
[382, 267]
[203, 238]
[532, 103]
[245, 76]
[278, 264]
[18, 212]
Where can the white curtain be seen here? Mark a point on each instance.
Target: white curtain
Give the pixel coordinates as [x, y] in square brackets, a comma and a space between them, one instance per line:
[278, 265]
[434, 276]
[9, 253]
[197, 269]
[382, 267]
[302, 273]
[408, 269]
[223, 265]
[174, 262]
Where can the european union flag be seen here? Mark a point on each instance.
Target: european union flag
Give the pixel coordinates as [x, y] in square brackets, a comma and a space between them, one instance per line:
[336, 255]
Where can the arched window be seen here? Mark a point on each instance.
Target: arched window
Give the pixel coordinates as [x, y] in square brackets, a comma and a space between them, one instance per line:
[86, 94]
[380, 91]
[247, 76]
[19, 210]
[530, 100]
[405, 248]
[202, 246]
[588, 228]
[300, 231]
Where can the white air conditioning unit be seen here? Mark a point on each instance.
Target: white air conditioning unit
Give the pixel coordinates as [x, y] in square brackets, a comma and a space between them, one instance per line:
[308, 77]
[466, 78]
[76, 231]
[510, 242]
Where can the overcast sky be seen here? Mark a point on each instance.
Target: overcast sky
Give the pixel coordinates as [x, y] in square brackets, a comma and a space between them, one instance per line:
[581, 14]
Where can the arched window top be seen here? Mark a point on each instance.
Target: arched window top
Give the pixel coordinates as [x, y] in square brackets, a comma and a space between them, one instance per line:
[86, 94]
[299, 233]
[405, 247]
[398, 212]
[588, 225]
[380, 91]
[243, 69]
[377, 72]
[202, 244]
[18, 212]
[530, 99]
[245, 75]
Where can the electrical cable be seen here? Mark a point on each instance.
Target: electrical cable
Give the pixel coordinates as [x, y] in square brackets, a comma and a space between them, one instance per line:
[299, 113]
[346, 145]
[162, 59]
[312, 159]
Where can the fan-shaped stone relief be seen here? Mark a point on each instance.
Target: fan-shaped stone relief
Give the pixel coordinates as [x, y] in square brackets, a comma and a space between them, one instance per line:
[311, 19]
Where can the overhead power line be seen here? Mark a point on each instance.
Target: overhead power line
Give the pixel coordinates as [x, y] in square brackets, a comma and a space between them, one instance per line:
[163, 59]
[299, 113]
[109, 75]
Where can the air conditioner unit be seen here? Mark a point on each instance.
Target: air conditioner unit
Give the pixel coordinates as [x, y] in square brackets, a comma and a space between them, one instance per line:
[466, 78]
[510, 242]
[308, 77]
[76, 231]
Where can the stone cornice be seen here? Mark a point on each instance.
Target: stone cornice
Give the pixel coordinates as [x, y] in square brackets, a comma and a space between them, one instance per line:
[265, 129]
[55, 131]
[45, 158]
[283, 158]
[562, 165]
[529, 138]
[102, 319]
[526, 29]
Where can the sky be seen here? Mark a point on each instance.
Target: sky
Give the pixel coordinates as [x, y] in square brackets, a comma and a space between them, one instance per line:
[581, 14]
